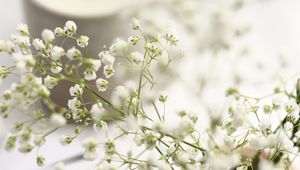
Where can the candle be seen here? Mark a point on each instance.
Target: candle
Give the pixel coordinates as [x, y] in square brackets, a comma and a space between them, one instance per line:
[83, 8]
[101, 20]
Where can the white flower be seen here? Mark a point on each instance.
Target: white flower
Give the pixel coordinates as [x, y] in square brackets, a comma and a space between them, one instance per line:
[258, 142]
[65, 140]
[162, 96]
[119, 95]
[70, 28]
[181, 158]
[90, 145]
[48, 35]
[7, 94]
[119, 47]
[101, 84]
[57, 52]
[38, 44]
[292, 110]
[137, 57]
[264, 124]
[89, 74]
[97, 111]
[23, 61]
[59, 166]
[106, 58]
[83, 41]
[9, 47]
[23, 29]
[135, 24]
[76, 90]
[25, 148]
[2, 45]
[58, 120]
[39, 140]
[56, 67]
[21, 40]
[59, 31]
[108, 71]
[74, 103]
[96, 64]
[73, 53]
[50, 82]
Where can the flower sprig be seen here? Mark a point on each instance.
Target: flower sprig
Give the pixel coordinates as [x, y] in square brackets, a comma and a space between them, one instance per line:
[252, 133]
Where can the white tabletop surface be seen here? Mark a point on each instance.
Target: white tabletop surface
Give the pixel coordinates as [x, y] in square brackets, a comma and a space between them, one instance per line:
[278, 26]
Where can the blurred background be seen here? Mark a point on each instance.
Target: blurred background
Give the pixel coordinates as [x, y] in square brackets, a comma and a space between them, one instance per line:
[249, 45]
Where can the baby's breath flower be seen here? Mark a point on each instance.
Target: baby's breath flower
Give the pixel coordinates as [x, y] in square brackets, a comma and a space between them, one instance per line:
[48, 48]
[83, 41]
[106, 58]
[4, 109]
[65, 140]
[57, 53]
[135, 24]
[7, 94]
[25, 148]
[59, 166]
[39, 140]
[50, 82]
[11, 143]
[48, 35]
[171, 38]
[40, 161]
[162, 97]
[22, 41]
[108, 71]
[70, 28]
[119, 95]
[59, 31]
[23, 61]
[76, 90]
[90, 145]
[38, 44]
[74, 103]
[58, 120]
[134, 39]
[56, 67]
[95, 64]
[23, 29]
[73, 53]
[119, 47]
[109, 147]
[89, 74]
[292, 110]
[100, 126]
[97, 111]
[137, 57]
[101, 84]
[9, 47]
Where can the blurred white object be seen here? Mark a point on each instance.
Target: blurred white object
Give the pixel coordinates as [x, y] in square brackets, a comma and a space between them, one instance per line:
[98, 19]
[83, 8]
